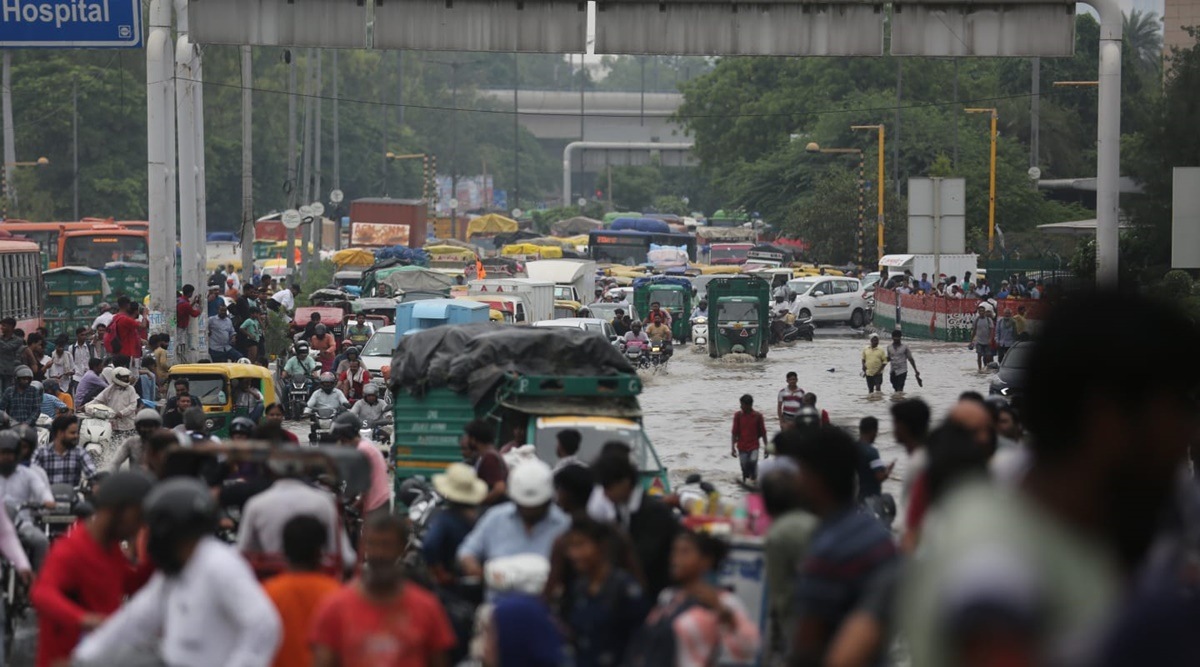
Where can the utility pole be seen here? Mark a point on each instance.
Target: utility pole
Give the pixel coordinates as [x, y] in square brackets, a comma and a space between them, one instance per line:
[516, 198]
[306, 154]
[337, 158]
[954, 158]
[291, 233]
[319, 221]
[1035, 117]
[10, 149]
[896, 138]
[247, 166]
[75, 146]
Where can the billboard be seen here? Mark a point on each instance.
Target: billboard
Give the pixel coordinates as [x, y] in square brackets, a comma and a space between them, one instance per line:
[378, 234]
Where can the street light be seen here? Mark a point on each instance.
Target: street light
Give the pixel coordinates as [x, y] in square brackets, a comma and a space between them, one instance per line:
[814, 147]
[880, 130]
[392, 157]
[991, 179]
[40, 162]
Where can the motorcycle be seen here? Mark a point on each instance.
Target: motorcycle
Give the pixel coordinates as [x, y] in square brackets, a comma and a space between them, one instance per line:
[635, 352]
[297, 395]
[783, 332]
[380, 434]
[322, 426]
[658, 356]
[700, 331]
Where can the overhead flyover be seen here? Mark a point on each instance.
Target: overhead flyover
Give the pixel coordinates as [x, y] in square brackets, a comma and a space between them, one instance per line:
[1016, 28]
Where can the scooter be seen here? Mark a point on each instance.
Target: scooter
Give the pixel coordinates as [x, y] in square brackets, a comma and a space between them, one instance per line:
[700, 331]
[380, 434]
[94, 430]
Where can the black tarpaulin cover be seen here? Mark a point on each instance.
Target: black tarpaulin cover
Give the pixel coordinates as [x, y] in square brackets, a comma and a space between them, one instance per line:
[476, 356]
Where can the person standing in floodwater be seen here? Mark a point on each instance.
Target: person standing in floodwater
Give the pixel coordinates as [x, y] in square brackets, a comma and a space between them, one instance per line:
[874, 359]
[749, 429]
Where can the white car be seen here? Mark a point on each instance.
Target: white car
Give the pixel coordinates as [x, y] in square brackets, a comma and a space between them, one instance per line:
[377, 353]
[585, 323]
[830, 299]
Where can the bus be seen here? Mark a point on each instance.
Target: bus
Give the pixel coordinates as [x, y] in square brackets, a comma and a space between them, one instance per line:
[103, 244]
[630, 247]
[46, 234]
[21, 291]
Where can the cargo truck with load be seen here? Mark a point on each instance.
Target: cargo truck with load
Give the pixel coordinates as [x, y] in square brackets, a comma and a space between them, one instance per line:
[537, 295]
[543, 380]
[380, 221]
[574, 279]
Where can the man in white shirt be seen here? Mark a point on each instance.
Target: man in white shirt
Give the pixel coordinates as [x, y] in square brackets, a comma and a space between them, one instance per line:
[81, 352]
[105, 317]
[203, 607]
[790, 400]
[232, 279]
[287, 297]
[20, 485]
[264, 516]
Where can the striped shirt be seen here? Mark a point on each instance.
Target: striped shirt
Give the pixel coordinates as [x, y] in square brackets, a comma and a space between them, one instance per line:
[790, 401]
[847, 549]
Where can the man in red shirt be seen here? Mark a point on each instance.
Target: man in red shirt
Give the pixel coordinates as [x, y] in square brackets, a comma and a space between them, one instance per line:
[125, 333]
[186, 307]
[86, 574]
[749, 429]
[381, 619]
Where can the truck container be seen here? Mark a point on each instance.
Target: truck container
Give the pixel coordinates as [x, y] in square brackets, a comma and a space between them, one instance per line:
[574, 279]
[538, 295]
[951, 265]
[381, 221]
[539, 380]
[415, 316]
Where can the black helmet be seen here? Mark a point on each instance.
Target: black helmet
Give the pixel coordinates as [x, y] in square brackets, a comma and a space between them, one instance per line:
[5, 420]
[242, 426]
[27, 434]
[345, 426]
[178, 509]
[9, 442]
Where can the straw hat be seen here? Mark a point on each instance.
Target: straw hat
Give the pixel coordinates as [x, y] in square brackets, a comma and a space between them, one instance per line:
[460, 484]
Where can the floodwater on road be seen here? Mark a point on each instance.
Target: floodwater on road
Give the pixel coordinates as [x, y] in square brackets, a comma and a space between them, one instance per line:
[689, 410]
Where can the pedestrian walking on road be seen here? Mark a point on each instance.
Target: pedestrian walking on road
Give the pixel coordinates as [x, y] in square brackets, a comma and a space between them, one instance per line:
[981, 338]
[899, 356]
[749, 429]
[874, 359]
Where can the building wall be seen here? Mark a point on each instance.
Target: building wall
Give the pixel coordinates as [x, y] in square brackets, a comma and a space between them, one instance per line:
[1179, 14]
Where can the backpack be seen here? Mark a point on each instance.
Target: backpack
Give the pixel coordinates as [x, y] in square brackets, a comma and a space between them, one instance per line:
[654, 644]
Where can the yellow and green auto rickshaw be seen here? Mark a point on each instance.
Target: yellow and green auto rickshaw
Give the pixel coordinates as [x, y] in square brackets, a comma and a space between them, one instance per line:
[223, 390]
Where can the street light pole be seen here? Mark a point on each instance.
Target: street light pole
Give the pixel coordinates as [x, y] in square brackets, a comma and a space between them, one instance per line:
[991, 179]
[879, 205]
[40, 162]
[814, 147]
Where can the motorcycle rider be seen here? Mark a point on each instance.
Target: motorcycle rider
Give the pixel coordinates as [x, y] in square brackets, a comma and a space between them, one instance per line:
[20, 486]
[701, 309]
[237, 621]
[352, 380]
[327, 396]
[132, 449]
[637, 338]
[242, 428]
[260, 532]
[660, 332]
[359, 332]
[21, 401]
[376, 499]
[372, 410]
[300, 365]
[63, 461]
[618, 322]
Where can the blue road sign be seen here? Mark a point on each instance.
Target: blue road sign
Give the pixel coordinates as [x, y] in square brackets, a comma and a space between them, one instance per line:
[59, 24]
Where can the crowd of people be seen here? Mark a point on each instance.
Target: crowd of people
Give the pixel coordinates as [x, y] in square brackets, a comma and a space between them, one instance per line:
[1064, 533]
[1013, 287]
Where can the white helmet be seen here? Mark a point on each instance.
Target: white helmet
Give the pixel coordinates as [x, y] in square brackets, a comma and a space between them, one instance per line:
[531, 484]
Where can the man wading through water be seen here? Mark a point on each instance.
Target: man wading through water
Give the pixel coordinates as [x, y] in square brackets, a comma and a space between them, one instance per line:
[748, 430]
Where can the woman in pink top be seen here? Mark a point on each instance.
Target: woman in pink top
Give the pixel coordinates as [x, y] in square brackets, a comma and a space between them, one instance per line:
[705, 624]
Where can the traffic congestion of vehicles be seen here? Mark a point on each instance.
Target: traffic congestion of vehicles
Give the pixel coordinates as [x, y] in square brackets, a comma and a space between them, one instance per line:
[385, 381]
